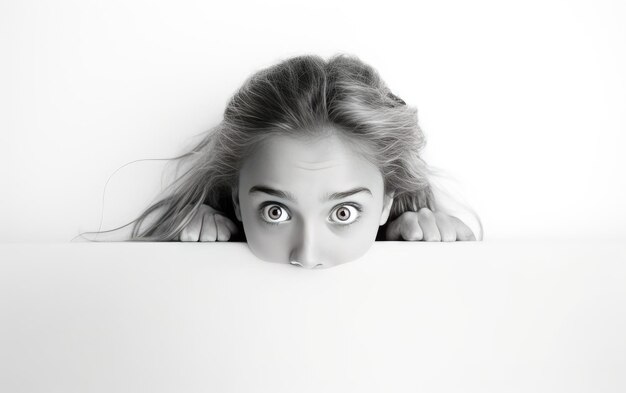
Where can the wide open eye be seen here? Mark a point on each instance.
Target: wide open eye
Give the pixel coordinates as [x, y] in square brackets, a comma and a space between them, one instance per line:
[344, 214]
[274, 213]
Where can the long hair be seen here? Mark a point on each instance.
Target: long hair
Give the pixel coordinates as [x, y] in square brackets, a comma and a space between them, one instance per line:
[296, 97]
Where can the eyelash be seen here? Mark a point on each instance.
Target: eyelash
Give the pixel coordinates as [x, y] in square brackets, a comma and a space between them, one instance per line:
[263, 206]
[356, 206]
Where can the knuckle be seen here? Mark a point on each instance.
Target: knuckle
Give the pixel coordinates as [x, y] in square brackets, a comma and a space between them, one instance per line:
[408, 216]
[409, 219]
[408, 226]
[441, 215]
[425, 212]
[410, 230]
[204, 208]
[219, 223]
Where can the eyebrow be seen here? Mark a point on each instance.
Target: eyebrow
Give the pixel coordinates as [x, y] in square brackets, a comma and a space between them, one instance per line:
[289, 196]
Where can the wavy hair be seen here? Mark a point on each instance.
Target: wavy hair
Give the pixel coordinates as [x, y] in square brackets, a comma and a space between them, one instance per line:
[298, 97]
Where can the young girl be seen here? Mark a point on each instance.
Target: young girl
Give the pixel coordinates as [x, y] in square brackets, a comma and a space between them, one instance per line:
[313, 161]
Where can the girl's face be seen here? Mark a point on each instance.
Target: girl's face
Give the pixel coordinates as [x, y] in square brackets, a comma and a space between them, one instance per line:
[316, 203]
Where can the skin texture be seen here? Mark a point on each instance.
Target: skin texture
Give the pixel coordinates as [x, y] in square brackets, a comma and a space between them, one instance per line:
[311, 230]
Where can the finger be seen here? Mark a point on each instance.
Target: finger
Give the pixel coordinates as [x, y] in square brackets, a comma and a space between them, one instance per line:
[405, 227]
[463, 232]
[232, 227]
[428, 224]
[208, 228]
[223, 232]
[410, 228]
[191, 232]
[445, 226]
[393, 229]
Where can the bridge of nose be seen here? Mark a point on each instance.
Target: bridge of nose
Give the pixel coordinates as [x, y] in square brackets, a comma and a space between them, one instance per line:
[307, 249]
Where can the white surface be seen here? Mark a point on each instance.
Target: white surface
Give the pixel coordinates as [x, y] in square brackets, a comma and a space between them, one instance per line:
[521, 102]
[525, 316]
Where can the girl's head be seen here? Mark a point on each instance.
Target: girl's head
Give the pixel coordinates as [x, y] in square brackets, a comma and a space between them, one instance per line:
[316, 201]
[303, 146]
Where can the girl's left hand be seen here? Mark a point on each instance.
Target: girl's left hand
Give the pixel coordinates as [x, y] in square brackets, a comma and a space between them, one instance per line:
[428, 226]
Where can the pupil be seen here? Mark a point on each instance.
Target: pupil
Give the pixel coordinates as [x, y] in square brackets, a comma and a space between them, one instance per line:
[343, 213]
[274, 213]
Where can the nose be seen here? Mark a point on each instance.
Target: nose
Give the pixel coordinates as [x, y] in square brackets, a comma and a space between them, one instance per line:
[306, 250]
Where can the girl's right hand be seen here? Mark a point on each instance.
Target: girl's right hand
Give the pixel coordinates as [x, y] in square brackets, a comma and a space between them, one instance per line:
[208, 225]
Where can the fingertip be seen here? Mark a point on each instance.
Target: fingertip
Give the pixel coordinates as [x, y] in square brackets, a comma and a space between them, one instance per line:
[221, 226]
[412, 236]
[231, 225]
[209, 229]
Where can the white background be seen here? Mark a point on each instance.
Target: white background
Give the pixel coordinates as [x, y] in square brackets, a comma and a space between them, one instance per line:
[522, 103]
[494, 316]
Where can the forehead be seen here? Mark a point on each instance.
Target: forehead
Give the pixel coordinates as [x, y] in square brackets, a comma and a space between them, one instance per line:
[327, 162]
